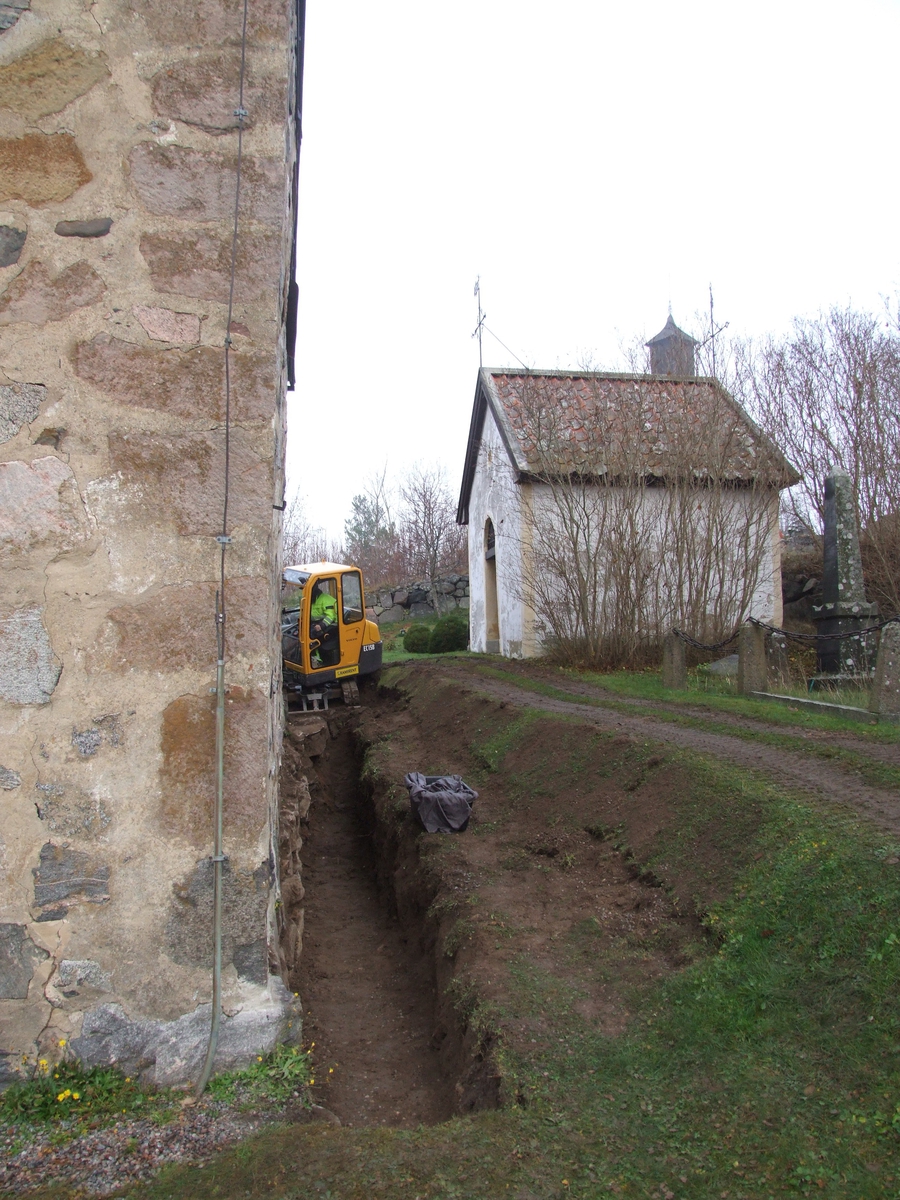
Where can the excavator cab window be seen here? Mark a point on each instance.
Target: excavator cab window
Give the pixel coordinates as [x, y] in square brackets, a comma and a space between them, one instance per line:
[351, 591]
[324, 635]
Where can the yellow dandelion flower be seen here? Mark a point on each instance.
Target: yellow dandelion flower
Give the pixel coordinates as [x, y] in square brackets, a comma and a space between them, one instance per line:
[61, 1096]
[76, 1095]
[62, 1041]
[259, 1058]
[43, 1064]
[311, 1082]
[128, 1079]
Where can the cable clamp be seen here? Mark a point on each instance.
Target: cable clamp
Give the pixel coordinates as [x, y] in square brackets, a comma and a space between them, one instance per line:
[241, 114]
[223, 539]
[228, 341]
[218, 858]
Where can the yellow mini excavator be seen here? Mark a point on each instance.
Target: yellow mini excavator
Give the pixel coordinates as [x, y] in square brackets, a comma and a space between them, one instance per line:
[327, 642]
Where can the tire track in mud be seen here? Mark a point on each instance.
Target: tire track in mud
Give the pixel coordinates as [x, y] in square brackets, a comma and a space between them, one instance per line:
[830, 781]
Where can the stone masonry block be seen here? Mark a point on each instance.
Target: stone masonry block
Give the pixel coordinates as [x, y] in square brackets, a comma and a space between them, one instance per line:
[18, 958]
[187, 383]
[20, 403]
[163, 325]
[199, 185]
[39, 506]
[171, 1052]
[96, 227]
[65, 877]
[41, 168]
[200, 91]
[28, 670]
[47, 77]
[245, 899]
[37, 296]
[196, 263]
[11, 242]
[179, 478]
[174, 628]
[214, 22]
[187, 775]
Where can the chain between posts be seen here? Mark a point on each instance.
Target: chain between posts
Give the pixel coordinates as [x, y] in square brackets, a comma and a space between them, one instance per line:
[796, 637]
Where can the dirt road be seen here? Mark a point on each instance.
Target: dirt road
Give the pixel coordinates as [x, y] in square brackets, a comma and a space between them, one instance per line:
[828, 780]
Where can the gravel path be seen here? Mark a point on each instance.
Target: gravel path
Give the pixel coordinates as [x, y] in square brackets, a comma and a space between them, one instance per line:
[105, 1162]
[828, 780]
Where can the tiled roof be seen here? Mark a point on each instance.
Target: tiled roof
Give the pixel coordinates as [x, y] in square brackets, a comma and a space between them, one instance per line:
[600, 423]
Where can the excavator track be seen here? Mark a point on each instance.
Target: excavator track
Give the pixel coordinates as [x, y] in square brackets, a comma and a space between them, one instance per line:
[350, 692]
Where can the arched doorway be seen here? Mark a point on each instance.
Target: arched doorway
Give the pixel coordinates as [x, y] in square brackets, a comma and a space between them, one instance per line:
[491, 607]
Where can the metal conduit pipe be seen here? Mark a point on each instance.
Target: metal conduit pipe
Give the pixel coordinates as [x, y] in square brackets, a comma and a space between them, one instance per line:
[224, 541]
[218, 857]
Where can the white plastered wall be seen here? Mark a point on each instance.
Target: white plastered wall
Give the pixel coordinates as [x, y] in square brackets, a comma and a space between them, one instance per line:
[497, 496]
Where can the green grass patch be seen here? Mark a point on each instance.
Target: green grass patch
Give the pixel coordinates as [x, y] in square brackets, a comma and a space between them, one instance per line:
[279, 1078]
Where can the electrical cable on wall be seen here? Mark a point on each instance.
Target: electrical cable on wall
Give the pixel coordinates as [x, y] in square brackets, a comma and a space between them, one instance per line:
[224, 540]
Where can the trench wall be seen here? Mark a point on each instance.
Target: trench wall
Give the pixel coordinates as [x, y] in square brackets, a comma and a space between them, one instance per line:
[118, 149]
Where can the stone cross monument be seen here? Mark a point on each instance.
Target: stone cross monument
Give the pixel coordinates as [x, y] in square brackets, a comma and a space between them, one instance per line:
[845, 609]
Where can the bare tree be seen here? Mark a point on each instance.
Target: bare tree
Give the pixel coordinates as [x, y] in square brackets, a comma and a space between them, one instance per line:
[370, 532]
[304, 542]
[433, 542]
[829, 394]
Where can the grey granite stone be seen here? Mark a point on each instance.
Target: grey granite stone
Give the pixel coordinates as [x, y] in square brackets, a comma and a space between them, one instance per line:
[28, 671]
[19, 405]
[9, 779]
[18, 958]
[65, 877]
[11, 242]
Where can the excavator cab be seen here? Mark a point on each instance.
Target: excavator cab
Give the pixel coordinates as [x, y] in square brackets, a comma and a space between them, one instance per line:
[326, 639]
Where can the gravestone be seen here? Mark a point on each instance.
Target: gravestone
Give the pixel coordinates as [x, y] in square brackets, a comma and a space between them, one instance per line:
[844, 608]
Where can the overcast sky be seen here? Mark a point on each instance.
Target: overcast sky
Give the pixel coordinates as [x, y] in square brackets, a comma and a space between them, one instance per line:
[591, 161]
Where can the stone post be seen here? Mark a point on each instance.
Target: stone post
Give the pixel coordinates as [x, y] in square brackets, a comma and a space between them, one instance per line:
[844, 608]
[779, 666]
[885, 698]
[752, 673]
[674, 667]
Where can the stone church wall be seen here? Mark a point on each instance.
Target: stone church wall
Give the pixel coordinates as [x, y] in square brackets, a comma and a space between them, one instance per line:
[117, 184]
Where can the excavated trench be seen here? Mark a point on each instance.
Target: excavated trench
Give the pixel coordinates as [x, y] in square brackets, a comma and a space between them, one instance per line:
[399, 942]
[366, 978]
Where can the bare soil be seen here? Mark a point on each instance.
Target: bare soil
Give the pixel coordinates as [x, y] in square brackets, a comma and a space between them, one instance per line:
[368, 991]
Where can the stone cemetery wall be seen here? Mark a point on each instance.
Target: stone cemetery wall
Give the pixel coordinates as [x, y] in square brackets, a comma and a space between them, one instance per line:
[117, 186]
[421, 599]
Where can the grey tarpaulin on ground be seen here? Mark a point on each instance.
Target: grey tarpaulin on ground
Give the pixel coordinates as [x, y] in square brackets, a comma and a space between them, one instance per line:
[443, 803]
